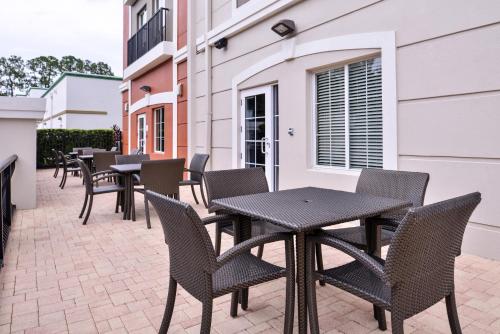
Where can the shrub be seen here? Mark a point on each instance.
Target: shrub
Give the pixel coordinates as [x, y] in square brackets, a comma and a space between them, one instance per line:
[65, 139]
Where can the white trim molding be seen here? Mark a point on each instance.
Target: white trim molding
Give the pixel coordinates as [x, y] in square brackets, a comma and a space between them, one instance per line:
[180, 55]
[385, 41]
[152, 99]
[157, 55]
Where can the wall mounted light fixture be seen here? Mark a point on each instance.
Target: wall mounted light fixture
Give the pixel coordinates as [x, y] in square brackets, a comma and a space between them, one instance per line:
[284, 27]
[146, 89]
[221, 43]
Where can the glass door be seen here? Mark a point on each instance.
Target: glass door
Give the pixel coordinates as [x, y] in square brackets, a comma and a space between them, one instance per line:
[257, 131]
[141, 133]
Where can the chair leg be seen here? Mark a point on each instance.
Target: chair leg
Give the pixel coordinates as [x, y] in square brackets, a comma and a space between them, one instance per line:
[218, 237]
[260, 251]
[194, 194]
[319, 260]
[451, 308]
[379, 314]
[146, 208]
[84, 205]
[56, 171]
[88, 210]
[312, 305]
[244, 299]
[234, 304]
[397, 323]
[169, 308]
[65, 176]
[117, 201]
[206, 318]
[62, 180]
[133, 204]
[203, 194]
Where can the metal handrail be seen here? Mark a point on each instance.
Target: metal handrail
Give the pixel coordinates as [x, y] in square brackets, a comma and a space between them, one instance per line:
[6, 208]
[148, 36]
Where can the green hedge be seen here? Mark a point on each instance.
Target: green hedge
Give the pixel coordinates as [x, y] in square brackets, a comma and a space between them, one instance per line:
[64, 140]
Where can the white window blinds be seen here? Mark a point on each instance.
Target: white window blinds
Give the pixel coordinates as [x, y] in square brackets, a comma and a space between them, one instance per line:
[349, 116]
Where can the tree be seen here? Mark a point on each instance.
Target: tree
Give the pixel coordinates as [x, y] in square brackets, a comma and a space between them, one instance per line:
[42, 71]
[16, 74]
[71, 64]
[12, 75]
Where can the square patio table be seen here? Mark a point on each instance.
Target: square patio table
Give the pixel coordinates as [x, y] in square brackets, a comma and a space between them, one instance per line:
[127, 170]
[303, 211]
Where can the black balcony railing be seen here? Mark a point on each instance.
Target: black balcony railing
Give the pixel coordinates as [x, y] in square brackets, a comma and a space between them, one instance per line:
[6, 207]
[148, 36]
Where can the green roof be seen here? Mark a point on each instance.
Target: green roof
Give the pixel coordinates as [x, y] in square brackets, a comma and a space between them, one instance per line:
[81, 75]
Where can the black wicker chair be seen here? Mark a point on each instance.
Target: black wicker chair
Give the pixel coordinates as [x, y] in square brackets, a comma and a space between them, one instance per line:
[163, 177]
[236, 182]
[418, 271]
[68, 166]
[90, 190]
[410, 186]
[57, 162]
[196, 170]
[194, 265]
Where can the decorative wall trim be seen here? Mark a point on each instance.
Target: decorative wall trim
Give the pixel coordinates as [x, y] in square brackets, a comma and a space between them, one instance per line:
[157, 55]
[384, 41]
[148, 100]
[77, 112]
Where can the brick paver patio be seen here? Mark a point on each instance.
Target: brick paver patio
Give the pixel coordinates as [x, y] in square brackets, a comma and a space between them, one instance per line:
[111, 277]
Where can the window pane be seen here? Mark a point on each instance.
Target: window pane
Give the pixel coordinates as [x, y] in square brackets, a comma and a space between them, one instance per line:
[260, 105]
[365, 114]
[250, 107]
[330, 118]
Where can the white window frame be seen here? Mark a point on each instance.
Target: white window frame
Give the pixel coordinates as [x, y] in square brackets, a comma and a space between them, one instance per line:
[145, 10]
[142, 116]
[155, 132]
[346, 168]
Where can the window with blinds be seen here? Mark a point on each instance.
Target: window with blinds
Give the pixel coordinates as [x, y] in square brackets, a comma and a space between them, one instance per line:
[349, 116]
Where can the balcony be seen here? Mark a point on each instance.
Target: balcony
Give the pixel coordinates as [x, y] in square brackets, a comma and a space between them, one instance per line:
[150, 45]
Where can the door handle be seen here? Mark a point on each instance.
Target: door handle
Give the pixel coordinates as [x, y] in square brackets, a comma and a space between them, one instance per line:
[263, 144]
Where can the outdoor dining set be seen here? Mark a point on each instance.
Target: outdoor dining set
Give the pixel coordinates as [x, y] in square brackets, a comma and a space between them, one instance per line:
[417, 272]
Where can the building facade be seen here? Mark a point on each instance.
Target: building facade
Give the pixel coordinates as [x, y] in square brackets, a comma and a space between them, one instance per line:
[82, 101]
[154, 89]
[366, 83]
[392, 84]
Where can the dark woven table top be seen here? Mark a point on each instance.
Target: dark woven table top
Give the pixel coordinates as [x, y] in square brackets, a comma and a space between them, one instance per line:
[126, 168]
[307, 209]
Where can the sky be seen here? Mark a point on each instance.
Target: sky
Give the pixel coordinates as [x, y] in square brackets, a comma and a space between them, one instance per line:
[88, 29]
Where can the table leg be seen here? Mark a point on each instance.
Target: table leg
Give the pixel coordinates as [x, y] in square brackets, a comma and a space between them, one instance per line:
[301, 281]
[126, 211]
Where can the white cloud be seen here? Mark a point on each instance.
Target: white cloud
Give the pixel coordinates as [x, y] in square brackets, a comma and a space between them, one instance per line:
[90, 29]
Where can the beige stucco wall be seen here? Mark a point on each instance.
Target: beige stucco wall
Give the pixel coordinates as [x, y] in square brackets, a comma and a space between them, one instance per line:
[18, 117]
[448, 92]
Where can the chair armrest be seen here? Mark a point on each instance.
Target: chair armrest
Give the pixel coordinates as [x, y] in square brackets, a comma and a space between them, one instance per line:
[136, 177]
[105, 177]
[71, 161]
[101, 172]
[247, 245]
[192, 171]
[368, 261]
[217, 219]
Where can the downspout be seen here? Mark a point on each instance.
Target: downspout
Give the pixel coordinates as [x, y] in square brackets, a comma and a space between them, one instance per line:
[208, 88]
[191, 71]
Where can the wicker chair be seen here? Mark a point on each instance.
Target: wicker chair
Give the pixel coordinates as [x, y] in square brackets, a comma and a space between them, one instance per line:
[194, 265]
[236, 182]
[67, 166]
[136, 151]
[90, 190]
[410, 186]
[418, 271]
[161, 176]
[102, 161]
[196, 170]
[57, 162]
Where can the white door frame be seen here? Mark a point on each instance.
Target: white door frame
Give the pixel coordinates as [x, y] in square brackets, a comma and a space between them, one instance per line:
[267, 145]
[143, 117]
